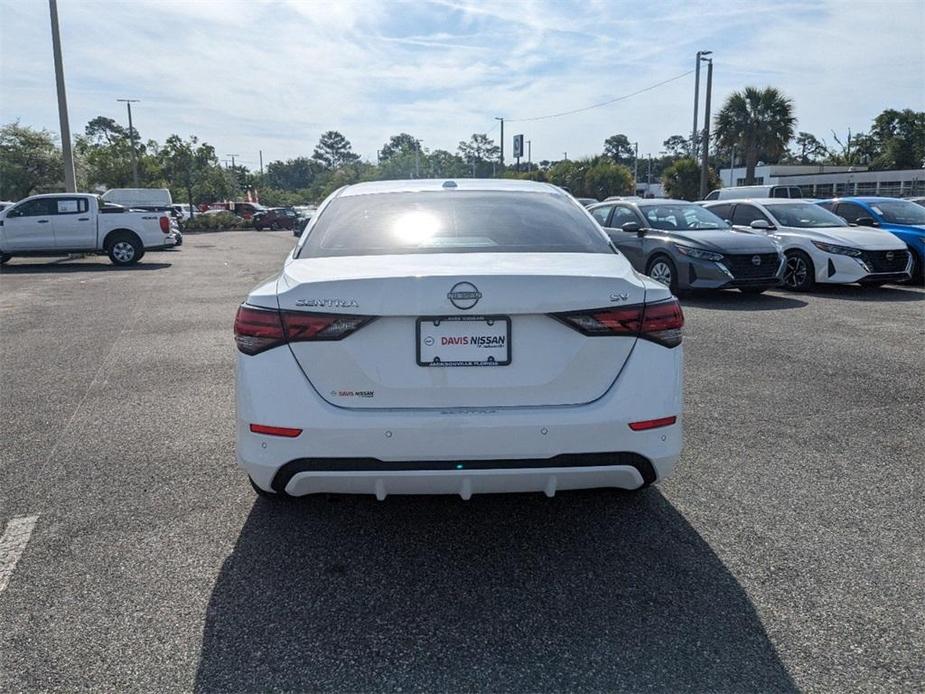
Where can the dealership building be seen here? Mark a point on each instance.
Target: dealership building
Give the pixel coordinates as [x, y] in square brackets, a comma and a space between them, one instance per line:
[833, 181]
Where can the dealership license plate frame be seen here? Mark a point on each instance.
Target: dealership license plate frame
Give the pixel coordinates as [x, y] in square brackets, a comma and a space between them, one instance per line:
[459, 319]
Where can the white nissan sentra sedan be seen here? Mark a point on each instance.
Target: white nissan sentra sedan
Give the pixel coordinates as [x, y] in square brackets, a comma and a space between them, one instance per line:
[456, 337]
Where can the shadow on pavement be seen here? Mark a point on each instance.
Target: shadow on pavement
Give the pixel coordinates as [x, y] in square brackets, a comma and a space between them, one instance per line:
[732, 300]
[854, 292]
[586, 591]
[63, 266]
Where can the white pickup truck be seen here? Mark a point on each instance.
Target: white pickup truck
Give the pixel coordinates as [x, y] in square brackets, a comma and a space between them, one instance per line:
[65, 223]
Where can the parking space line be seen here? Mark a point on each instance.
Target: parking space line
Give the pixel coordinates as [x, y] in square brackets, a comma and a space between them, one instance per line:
[12, 544]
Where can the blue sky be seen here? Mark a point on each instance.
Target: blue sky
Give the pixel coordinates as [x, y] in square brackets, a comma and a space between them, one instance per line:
[253, 75]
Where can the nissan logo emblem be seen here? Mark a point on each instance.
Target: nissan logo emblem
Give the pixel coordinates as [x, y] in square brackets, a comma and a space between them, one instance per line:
[756, 260]
[464, 295]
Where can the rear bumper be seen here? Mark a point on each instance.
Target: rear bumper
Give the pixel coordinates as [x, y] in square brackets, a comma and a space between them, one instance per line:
[462, 450]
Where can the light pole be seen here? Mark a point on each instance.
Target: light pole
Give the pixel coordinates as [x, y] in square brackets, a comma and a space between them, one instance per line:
[70, 179]
[706, 130]
[502, 139]
[529, 155]
[131, 136]
[700, 57]
[635, 167]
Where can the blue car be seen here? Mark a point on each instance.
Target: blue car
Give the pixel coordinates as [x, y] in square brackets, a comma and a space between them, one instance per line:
[902, 218]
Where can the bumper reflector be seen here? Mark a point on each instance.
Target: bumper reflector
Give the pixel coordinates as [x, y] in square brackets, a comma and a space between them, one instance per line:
[275, 431]
[653, 423]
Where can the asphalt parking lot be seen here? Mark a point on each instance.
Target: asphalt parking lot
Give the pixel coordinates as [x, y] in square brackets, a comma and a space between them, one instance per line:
[785, 553]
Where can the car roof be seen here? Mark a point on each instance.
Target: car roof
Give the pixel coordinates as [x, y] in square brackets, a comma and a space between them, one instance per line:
[646, 202]
[420, 185]
[862, 198]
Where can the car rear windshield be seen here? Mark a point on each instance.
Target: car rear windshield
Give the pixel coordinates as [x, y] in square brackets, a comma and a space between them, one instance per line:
[681, 217]
[899, 211]
[452, 222]
[804, 215]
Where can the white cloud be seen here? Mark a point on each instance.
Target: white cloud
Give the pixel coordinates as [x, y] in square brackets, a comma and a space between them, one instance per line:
[250, 75]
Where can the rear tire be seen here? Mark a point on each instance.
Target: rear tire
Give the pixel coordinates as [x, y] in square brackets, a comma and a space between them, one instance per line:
[752, 290]
[662, 269]
[125, 249]
[799, 272]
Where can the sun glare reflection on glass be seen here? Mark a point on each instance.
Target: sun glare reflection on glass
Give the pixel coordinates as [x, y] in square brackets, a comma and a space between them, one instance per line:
[415, 228]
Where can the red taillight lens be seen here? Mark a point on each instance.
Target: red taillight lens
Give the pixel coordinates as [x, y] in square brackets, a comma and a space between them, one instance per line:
[619, 321]
[165, 224]
[653, 423]
[662, 323]
[288, 432]
[259, 329]
[659, 322]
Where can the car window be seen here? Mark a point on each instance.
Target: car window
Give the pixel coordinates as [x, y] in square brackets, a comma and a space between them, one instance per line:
[71, 205]
[601, 214]
[780, 192]
[900, 211]
[830, 206]
[713, 195]
[723, 211]
[453, 222]
[804, 215]
[796, 192]
[682, 217]
[744, 214]
[622, 215]
[36, 208]
[851, 211]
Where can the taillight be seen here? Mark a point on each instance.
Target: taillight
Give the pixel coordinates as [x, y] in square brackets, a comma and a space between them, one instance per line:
[165, 224]
[660, 322]
[259, 329]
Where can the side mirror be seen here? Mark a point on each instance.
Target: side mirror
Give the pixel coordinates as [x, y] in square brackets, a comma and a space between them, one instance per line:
[761, 225]
[867, 222]
[634, 228]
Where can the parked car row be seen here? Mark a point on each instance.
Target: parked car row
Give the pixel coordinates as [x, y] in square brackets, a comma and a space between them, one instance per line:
[754, 245]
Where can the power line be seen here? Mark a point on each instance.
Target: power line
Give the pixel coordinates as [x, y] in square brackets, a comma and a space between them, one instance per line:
[603, 103]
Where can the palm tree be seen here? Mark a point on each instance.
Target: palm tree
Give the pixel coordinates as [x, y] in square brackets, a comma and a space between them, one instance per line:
[758, 123]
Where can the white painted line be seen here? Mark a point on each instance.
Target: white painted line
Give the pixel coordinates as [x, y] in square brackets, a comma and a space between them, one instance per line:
[12, 544]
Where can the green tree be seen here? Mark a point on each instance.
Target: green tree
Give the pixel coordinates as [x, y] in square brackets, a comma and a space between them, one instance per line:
[597, 177]
[30, 162]
[292, 174]
[105, 152]
[757, 122]
[190, 168]
[807, 149]
[398, 145]
[479, 150]
[443, 164]
[677, 146]
[898, 138]
[334, 151]
[682, 180]
[620, 149]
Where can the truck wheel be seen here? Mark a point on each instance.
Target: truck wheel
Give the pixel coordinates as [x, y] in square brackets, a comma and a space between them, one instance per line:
[125, 250]
[4, 259]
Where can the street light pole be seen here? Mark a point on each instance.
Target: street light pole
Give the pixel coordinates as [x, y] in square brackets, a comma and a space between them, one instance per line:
[502, 139]
[706, 131]
[635, 167]
[131, 137]
[70, 179]
[529, 155]
[700, 56]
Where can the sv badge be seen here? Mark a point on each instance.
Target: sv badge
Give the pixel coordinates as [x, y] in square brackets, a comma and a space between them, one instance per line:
[622, 296]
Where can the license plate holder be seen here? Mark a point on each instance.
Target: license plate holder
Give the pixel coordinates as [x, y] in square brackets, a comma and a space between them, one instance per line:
[473, 341]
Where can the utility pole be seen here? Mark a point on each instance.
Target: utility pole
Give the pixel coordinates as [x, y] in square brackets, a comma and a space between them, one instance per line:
[649, 177]
[232, 158]
[131, 136]
[706, 131]
[529, 156]
[565, 156]
[700, 55]
[70, 179]
[502, 139]
[635, 167]
[261, 162]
